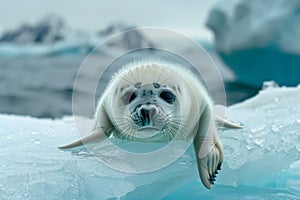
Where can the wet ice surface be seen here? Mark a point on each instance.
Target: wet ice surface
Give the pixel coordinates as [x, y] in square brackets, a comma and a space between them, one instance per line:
[266, 151]
[261, 161]
[33, 167]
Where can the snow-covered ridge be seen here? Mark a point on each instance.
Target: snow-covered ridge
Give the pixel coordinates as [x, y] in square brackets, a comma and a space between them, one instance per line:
[49, 30]
[52, 36]
[266, 153]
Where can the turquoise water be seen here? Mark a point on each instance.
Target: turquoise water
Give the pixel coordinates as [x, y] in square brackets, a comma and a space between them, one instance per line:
[192, 192]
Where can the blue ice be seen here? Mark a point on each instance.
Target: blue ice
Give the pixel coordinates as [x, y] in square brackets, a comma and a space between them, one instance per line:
[261, 161]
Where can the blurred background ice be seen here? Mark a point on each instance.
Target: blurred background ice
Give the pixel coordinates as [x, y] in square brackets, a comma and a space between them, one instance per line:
[42, 45]
[259, 39]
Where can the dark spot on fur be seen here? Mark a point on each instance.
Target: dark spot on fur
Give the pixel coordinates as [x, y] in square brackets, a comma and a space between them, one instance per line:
[144, 93]
[178, 88]
[138, 85]
[156, 85]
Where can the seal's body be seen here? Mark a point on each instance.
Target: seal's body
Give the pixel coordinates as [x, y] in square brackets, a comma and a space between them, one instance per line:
[158, 101]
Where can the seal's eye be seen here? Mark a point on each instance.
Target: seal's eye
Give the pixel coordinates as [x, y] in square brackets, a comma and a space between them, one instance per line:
[132, 97]
[128, 97]
[167, 96]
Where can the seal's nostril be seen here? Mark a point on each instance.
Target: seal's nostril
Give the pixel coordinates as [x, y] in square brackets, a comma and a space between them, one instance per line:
[144, 113]
[152, 112]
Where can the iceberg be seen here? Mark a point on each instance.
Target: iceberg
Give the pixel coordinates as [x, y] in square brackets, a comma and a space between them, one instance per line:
[258, 40]
[261, 160]
[51, 36]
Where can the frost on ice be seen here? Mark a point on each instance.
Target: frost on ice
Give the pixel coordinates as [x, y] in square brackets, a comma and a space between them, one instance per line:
[265, 153]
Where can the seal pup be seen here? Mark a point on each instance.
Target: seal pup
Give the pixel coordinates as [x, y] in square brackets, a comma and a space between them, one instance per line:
[157, 101]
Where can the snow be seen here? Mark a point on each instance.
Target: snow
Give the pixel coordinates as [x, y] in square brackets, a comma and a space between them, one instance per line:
[259, 39]
[266, 153]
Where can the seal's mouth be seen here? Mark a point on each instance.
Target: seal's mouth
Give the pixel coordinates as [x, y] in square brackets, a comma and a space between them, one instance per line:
[148, 128]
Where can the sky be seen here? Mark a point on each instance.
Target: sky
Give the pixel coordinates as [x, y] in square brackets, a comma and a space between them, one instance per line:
[93, 15]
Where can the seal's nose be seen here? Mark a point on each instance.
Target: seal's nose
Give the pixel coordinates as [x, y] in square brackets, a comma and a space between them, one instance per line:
[147, 113]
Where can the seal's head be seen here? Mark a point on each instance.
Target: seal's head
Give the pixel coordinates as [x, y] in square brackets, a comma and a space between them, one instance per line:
[146, 109]
[145, 106]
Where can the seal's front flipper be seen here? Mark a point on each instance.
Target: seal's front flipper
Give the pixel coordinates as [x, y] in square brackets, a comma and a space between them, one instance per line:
[219, 112]
[208, 167]
[208, 148]
[225, 122]
[209, 156]
[96, 135]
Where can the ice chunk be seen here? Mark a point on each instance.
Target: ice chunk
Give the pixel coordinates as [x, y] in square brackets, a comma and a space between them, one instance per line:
[32, 166]
[269, 143]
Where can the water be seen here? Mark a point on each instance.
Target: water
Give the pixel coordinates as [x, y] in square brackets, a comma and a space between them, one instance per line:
[42, 86]
[234, 193]
[37, 86]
